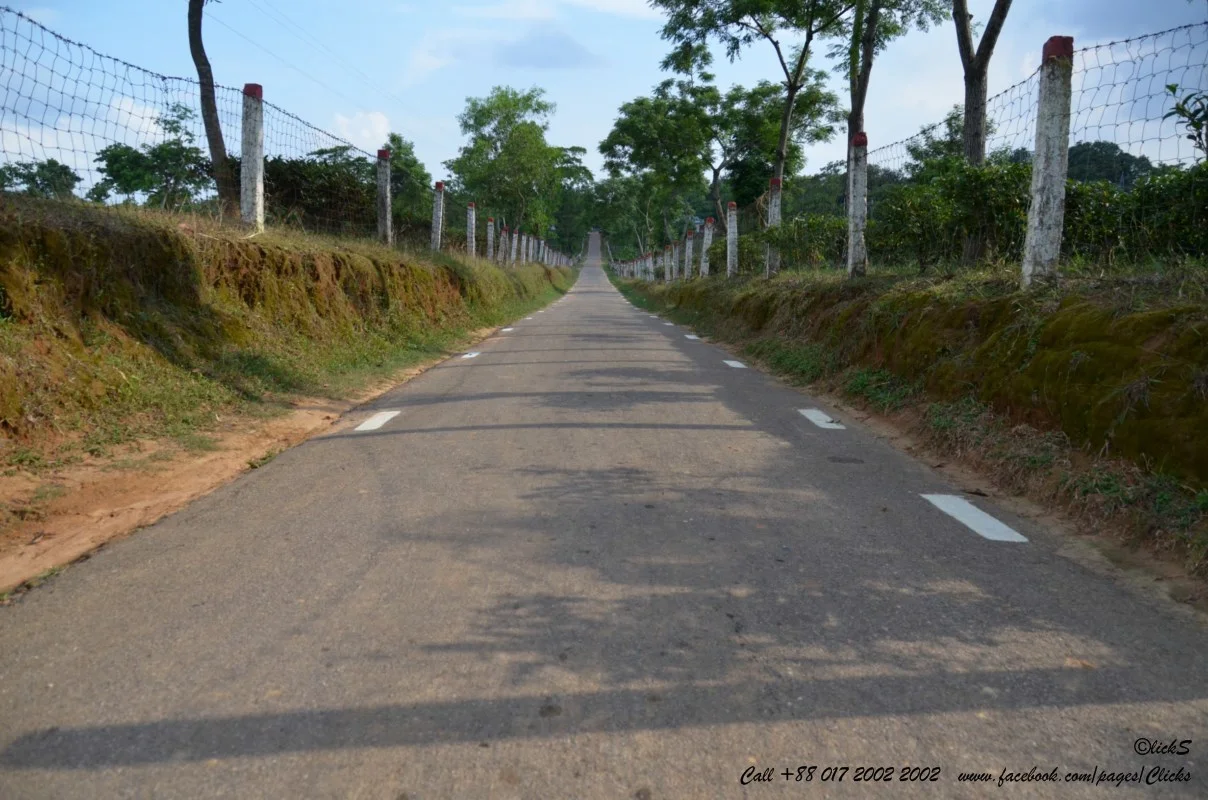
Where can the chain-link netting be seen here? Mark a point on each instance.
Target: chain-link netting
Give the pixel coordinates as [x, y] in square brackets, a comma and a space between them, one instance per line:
[76, 124]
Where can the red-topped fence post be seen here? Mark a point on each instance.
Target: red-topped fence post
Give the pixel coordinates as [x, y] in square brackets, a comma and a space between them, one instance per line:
[1050, 163]
[438, 214]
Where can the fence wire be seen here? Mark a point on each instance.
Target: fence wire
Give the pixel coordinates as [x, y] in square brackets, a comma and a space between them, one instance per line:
[78, 124]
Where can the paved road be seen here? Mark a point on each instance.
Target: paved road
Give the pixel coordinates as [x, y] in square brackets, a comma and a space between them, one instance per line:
[593, 561]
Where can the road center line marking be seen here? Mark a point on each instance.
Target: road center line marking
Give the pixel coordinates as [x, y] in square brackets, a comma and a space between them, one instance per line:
[736, 364]
[821, 419]
[377, 420]
[470, 355]
[973, 518]
[692, 336]
[668, 323]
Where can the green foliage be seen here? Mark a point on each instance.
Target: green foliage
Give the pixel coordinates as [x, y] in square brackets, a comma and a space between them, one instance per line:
[49, 179]
[755, 121]
[410, 187]
[1105, 161]
[169, 174]
[1192, 111]
[750, 254]
[508, 167]
[812, 240]
[331, 191]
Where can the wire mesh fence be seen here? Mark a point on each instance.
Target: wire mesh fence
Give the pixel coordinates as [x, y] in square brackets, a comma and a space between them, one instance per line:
[1136, 180]
[76, 124]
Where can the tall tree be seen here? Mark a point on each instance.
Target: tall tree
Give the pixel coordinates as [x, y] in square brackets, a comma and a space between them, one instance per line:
[977, 64]
[756, 127]
[738, 23]
[507, 166]
[874, 24]
[224, 176]
[48, 178]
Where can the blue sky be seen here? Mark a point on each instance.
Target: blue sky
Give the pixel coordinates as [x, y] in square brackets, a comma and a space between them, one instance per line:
[373, 66]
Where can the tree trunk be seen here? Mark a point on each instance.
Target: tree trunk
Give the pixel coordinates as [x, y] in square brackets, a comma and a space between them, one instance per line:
[715, 192]
[786, 125]
[228, 191]
[860, 65]
[975, 114]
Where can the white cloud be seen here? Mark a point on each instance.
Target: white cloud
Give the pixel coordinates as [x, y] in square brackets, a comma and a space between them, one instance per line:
[549, 9]
[440, 49]
[46, 16]
[627, 8]
[511, 10]
[366, 129]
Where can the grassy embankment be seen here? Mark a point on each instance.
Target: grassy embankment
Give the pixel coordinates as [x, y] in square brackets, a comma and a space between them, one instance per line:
[1092, 395]
[117, 326]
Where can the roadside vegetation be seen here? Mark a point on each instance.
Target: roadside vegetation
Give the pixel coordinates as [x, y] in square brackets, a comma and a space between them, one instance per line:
[120, 324]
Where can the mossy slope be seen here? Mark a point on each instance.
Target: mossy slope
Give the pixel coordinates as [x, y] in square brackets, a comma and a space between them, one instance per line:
[1125, 381]
[114, 324]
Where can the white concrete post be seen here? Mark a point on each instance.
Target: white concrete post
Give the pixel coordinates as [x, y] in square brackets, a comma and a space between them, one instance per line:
[385, 207]
[772, 254]
[515, 245]
[438, 214]
[857, 205]
[705, 244]
[490, 238]
[501, 253]
[731, 240]
[471, 230]
[668, 264]
[688, 256]
[251, 170]
[1046, 213]
[675, 261]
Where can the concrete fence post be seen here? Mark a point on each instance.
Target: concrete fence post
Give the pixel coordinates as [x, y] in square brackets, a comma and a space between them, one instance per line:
[675, 261]
[438, 214]
[385, 206]
[706, 243]
[688, 256]
[772, 254]
[490, 238]
[731, 240]
[1046, 212]
[668, 264]
[515, 246]
[471, 230]
[251, 171]
[857, 205]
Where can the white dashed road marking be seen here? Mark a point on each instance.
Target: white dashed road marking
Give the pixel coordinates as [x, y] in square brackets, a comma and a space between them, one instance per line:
[377, 420]
[821, 419]
[470, 355]
[736, 364]
[692, 336]
[973, 518]
[507, 330]
[668, 323]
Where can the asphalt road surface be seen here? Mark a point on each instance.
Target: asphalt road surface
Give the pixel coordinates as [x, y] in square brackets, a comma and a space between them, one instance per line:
[594, 560]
